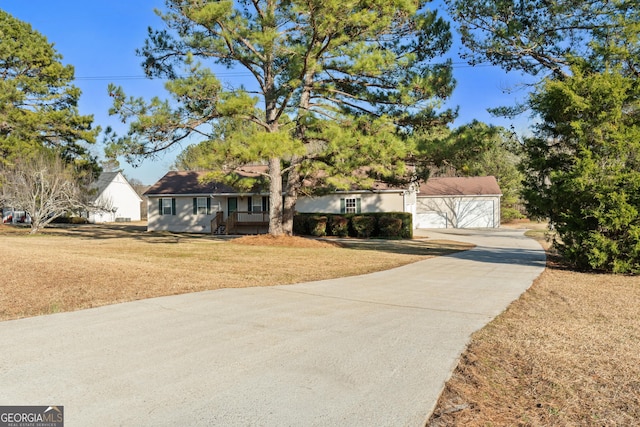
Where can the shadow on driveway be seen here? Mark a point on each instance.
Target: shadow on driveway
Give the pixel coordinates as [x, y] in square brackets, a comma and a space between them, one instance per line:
[525, 257]
[426, 247]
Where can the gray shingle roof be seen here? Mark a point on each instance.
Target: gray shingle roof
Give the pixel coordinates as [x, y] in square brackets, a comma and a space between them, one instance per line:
[104, 180]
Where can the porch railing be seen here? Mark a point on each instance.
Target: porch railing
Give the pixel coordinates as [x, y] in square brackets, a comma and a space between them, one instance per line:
[217, 221]
[245, 218]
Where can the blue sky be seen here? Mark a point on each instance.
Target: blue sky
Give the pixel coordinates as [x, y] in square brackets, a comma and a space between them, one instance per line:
[99, 38]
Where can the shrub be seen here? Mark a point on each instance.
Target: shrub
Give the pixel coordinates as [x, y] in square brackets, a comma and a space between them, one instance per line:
[301, 225]
[389, 227]
[355, 225]
[68, 219]
[405, 231]
[363, 226]
[339, 226]
[510, 214]
[318, 226]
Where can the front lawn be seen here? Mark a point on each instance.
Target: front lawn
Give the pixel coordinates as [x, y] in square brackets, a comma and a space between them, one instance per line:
[74, 267]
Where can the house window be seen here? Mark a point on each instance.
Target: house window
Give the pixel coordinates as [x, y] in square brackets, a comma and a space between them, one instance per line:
[167, 206]
[258, 204]
[350, 205]
[201, 206]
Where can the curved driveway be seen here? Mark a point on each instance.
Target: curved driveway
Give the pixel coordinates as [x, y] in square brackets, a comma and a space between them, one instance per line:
[360, 351]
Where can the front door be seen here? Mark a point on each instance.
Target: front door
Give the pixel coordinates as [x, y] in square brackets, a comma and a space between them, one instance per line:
[232, 205]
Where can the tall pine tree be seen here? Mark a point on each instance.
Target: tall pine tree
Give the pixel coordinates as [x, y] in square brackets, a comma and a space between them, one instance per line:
[38, 103]
[331, 82]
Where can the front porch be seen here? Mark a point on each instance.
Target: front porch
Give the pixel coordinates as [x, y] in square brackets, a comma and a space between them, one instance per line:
[241, 222]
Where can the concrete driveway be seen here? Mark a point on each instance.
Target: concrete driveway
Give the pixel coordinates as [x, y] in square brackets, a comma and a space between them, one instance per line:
[360, 351]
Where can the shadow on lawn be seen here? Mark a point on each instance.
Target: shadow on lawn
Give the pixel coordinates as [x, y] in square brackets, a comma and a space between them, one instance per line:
[138, 231]
[425, 247]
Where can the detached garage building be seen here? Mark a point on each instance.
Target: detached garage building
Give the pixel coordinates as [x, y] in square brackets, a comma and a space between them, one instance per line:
[460, 202]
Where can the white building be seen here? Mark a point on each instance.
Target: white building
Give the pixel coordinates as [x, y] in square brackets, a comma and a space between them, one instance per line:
[116, 198]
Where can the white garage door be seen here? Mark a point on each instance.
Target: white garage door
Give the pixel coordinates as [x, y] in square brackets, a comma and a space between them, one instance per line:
[431, 220]
[456, 213]
[475, 214]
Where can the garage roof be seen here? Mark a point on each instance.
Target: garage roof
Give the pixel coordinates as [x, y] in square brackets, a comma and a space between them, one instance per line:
[460, 186]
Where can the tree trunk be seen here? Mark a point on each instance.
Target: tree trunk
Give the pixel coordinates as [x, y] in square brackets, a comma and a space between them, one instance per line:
[294, 182]
[292, 191]
[275, 197]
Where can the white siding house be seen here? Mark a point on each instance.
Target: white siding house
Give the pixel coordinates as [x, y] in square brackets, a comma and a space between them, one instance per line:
[119, 200]
[180, 202]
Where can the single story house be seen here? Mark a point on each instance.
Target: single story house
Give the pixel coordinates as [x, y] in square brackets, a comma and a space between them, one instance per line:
[117, 199]
[180, 202]
[458, 202]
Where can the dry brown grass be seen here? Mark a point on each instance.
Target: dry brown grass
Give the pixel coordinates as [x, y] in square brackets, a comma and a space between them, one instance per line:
[70, 268]
[567, 353]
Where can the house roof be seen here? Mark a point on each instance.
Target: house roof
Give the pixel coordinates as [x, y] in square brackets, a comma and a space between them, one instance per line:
[104, 180]
[460, 186]
[187, 182]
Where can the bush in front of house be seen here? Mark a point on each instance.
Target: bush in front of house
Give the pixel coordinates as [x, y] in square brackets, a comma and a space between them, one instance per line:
[363, 225]
[68, 219]
[318, 225]
[389, 227]
[339, 226]
[301, 225]
[386, 225]
[406, 227]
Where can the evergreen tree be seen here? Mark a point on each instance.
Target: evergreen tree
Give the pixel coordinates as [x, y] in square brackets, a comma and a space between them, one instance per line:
[542, 37]
[38, 103]
[583, 167]
[331, 83]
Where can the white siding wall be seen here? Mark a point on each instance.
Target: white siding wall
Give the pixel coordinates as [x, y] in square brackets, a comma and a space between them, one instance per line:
[370, 202]
[121, 198]
[184, 220]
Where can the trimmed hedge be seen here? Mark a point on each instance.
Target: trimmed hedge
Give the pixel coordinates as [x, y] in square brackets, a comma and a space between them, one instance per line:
[318, 226]
[389, 227]
[339, 226]
[70, 220]
[363, 225]
[386, 225]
